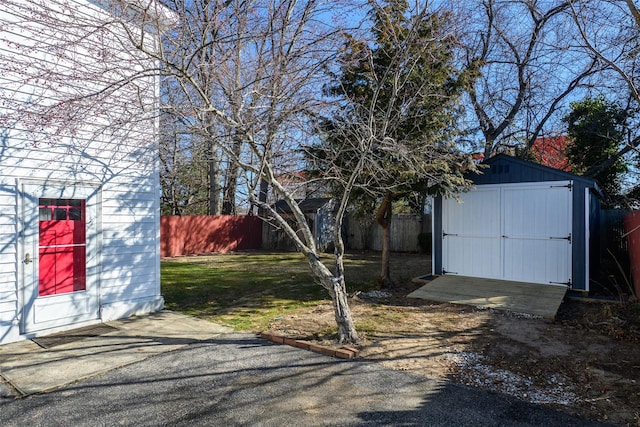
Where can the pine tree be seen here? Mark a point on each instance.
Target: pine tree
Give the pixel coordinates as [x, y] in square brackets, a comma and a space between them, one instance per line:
[401, 93]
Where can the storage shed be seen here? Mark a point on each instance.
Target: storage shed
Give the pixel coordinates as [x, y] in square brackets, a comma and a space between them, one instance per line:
[319, 212]
[79, 188]
[521, 222]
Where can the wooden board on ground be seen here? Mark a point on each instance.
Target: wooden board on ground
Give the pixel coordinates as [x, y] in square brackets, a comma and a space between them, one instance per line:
[521, 297]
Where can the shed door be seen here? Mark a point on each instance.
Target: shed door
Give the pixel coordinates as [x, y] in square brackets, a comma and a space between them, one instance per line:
[471, 227]
[59, 256]
[519, 232]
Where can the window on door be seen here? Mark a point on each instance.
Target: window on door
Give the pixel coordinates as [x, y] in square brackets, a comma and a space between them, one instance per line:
[62, 246]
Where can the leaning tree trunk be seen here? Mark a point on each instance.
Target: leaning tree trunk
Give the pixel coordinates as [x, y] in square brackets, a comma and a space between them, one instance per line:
[346, 327]
[335, 284]
[383, 217]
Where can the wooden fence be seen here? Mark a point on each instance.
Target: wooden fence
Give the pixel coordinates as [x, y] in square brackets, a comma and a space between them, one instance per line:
[405, 229]
[190, 235]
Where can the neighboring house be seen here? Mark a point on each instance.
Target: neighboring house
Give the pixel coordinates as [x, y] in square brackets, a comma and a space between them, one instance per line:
[521, 222]
[300, 186]
[477, 158]
[79, 192]
[319, 213]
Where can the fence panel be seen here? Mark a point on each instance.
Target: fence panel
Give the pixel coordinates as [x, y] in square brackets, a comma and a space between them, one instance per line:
[190, 235]
[612, 230]
[404, 233]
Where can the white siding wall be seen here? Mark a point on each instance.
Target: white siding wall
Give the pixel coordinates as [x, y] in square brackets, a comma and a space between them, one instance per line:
[8, 264]
[52, 51]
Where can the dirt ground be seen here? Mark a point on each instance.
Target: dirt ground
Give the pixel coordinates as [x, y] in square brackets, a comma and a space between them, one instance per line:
[586, 362]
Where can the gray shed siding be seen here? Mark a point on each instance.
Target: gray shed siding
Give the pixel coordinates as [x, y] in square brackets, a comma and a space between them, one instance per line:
[503, 169]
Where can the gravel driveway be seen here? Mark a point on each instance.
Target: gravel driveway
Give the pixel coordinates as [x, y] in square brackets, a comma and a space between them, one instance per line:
[238, 379]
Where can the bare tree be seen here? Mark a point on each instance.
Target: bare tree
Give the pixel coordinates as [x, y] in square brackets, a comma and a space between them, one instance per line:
[265, 64]
[269, 102]
[184, 167]
[244, 57]
[610, 33]
[523, 55]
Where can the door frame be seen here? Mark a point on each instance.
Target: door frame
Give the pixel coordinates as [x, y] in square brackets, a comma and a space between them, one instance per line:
[28, 243]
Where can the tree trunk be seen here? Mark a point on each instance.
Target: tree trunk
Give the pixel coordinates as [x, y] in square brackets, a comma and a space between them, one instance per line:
[346, 327]
[383, 217]
[229, 196]
[335, 285]
[262, 196]
[231, 185]
[488, 147]
[214, 183]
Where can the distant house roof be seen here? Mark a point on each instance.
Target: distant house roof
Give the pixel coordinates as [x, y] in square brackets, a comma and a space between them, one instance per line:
[477, 157]
[548, 151]
[310, 205]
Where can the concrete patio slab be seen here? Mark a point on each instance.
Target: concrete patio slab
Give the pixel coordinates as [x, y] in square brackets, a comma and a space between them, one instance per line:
[521, 297]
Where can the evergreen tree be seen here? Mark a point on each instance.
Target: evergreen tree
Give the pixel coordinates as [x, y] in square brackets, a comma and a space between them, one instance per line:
[596, 128]
[400, 93]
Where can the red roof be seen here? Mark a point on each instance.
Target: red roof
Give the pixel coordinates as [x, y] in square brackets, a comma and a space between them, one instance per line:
[477, 157]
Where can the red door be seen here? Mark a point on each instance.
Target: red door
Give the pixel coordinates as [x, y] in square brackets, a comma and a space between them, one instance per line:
[62, 246]
[60, 238]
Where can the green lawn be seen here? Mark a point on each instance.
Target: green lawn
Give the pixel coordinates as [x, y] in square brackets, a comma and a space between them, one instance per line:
[248, 290]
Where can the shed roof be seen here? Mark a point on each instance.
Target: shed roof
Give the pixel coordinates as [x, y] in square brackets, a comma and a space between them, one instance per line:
[507, 169]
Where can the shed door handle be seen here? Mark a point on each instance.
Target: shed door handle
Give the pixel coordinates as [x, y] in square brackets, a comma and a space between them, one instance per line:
[27, 258]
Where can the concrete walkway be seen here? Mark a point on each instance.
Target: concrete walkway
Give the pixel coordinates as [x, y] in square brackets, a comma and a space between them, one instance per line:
[30, 368]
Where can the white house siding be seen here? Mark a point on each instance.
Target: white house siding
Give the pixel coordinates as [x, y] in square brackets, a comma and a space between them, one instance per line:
[8, 262]
[51, 50]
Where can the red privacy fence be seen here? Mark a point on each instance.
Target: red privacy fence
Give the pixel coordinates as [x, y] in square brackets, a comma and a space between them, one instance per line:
[189, 235]
[632, 227]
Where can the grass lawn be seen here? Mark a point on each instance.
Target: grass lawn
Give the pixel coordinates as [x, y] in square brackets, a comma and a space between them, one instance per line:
[248, 290]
